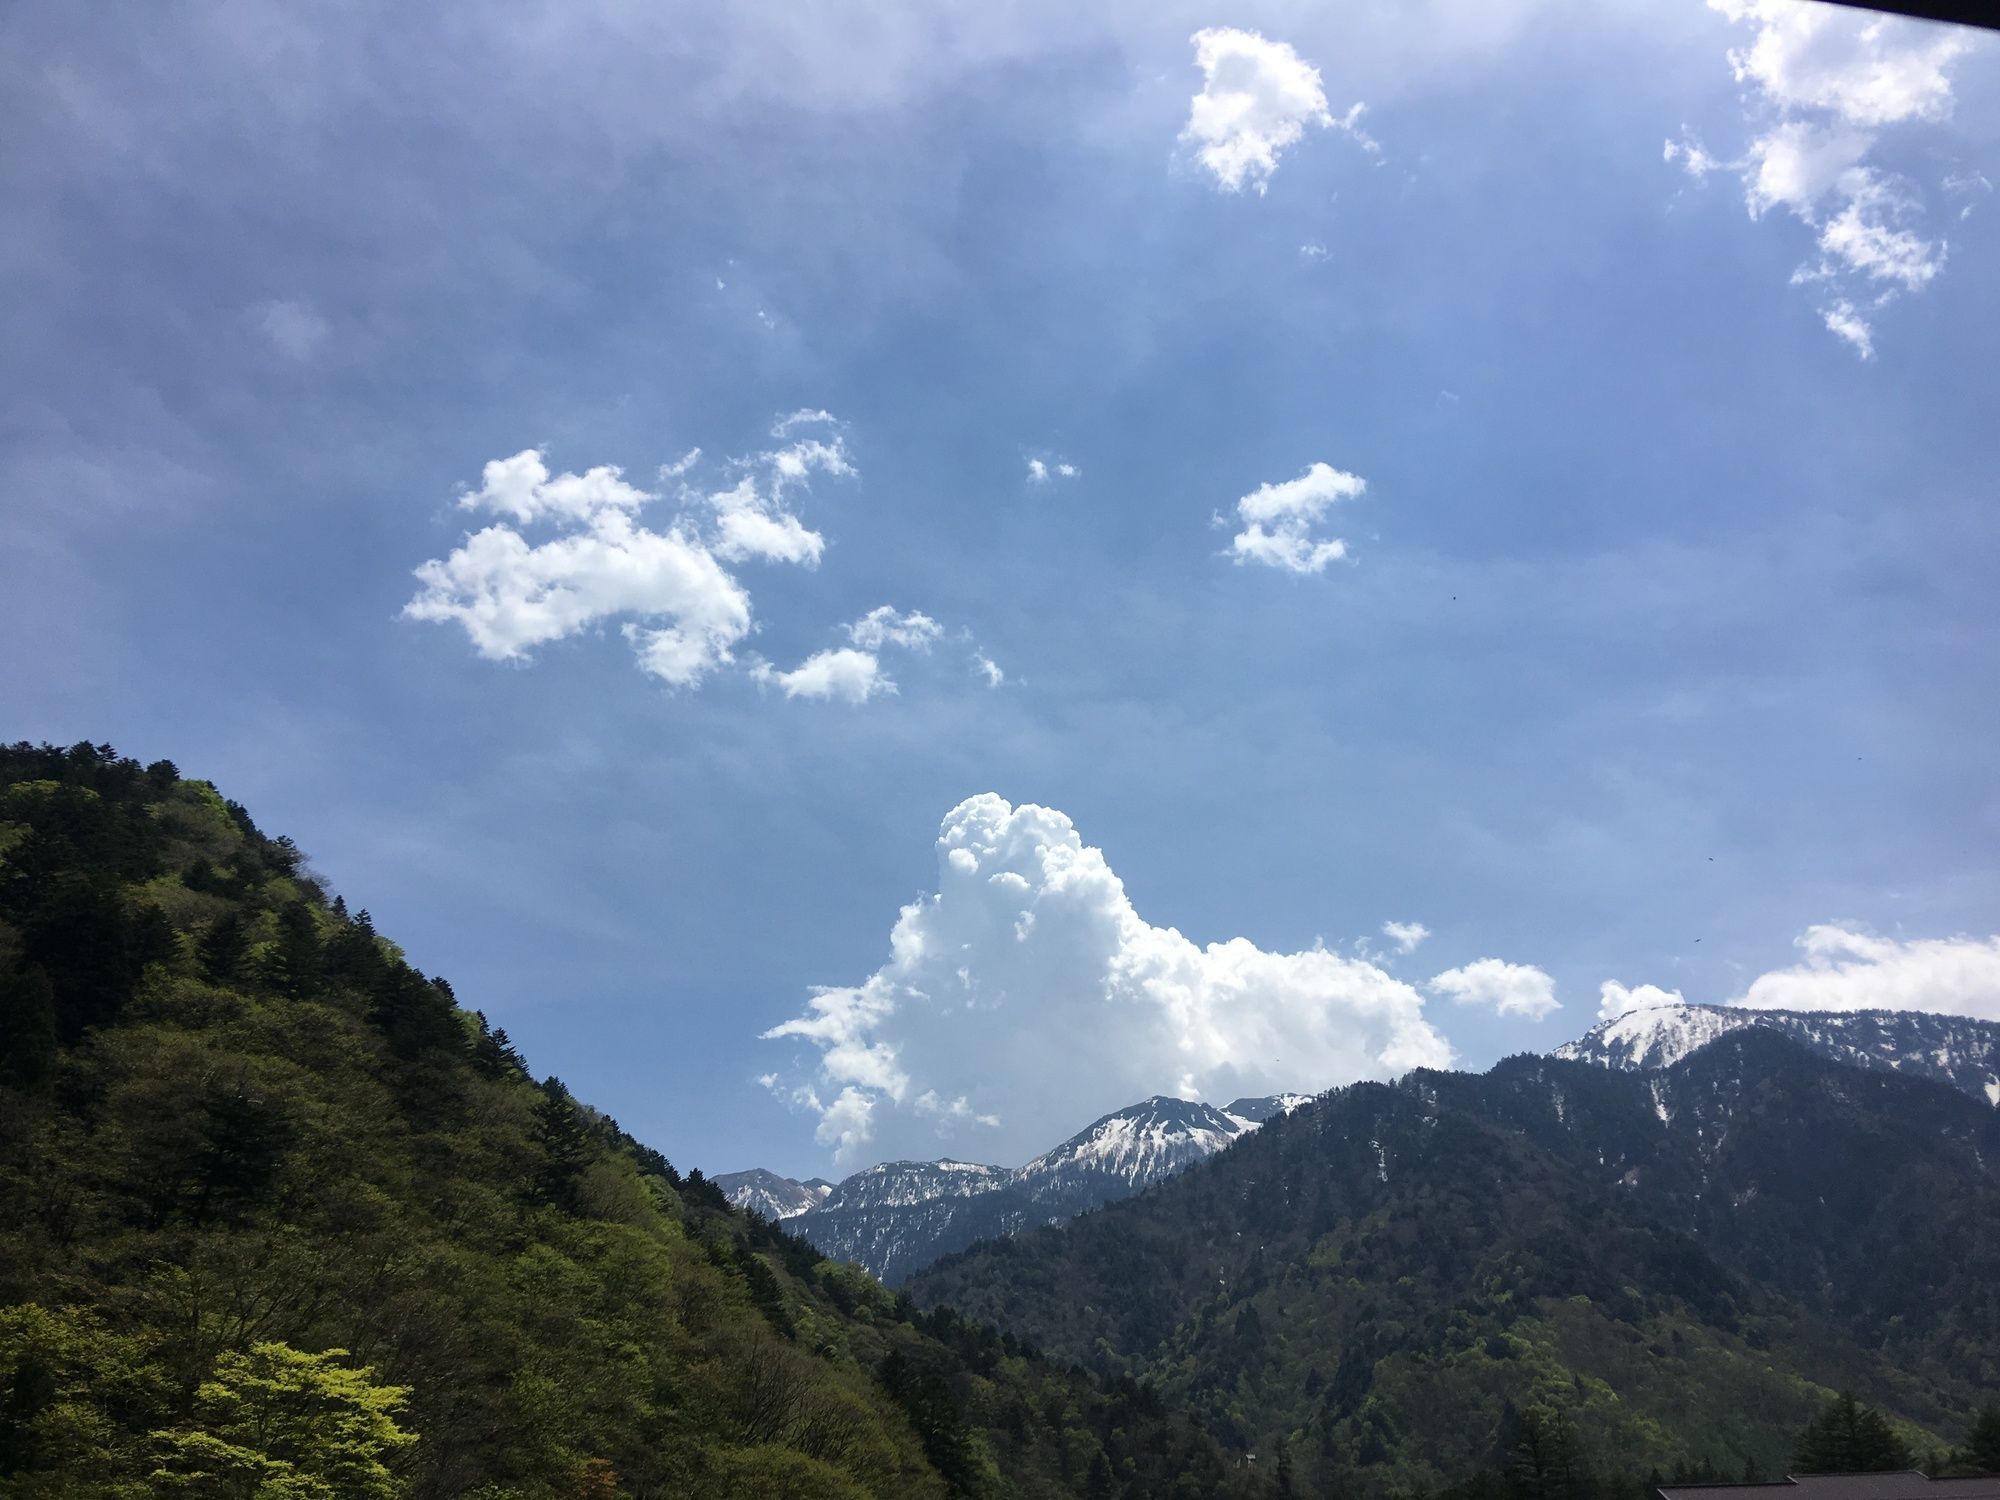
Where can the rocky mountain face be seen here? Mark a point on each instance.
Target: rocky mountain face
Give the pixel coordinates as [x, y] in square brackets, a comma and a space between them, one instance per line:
[898, 1217]
[769, 1194]
[1702, 1248]
[1954, 1050]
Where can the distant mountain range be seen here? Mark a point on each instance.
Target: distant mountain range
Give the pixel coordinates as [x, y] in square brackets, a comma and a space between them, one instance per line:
[900, 1216]
[1679, 1259]
[1955, 1050]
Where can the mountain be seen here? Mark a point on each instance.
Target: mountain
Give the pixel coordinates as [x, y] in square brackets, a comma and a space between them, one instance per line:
[278, 1214]
[900, 1216]
[1677, 1264]
[767, 1193]
[1954, 1050]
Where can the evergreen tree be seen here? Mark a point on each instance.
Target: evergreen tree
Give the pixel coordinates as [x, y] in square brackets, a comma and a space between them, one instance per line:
[1849, 1438]
[27, 1028]
[223, 948]
[1982, 1442]
[565, 1142]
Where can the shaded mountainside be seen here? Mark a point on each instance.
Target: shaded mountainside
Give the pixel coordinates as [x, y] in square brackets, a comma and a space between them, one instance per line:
[1954, 1050]
[899, 1217]
[277, 1214]
[1680, 1263]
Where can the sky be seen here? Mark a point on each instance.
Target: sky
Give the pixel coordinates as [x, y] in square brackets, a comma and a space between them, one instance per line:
[879, 581]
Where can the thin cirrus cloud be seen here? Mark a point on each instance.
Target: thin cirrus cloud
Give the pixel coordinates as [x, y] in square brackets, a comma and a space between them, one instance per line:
[1824, 83]
[1029, 936]
[1505, 988]
[1257, 98]
[1281, 522]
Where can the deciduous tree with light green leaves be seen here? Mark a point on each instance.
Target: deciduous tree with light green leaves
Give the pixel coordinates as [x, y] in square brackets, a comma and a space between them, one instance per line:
[277, 1423]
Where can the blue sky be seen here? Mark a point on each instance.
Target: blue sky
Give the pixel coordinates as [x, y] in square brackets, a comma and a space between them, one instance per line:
[1662, 649]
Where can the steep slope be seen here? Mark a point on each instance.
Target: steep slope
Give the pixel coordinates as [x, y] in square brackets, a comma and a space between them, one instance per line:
[1375, 1282]
[899, 1217]
[1955, 1050]
[245, 1147]
[1867, 1195]
[766, 1193]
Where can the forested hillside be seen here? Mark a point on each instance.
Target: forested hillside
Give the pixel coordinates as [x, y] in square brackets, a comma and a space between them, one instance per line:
[1671, 1271]
[279, 1216]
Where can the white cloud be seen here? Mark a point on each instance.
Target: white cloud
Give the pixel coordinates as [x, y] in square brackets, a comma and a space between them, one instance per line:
[988, 668]
[844, 673]
[1405, 935]
[854, 673]
[1257, 97]
[1038, 472]
[1614, 999]
[1830, 79]
[882, 626]
[1864, 238]
[1278, 520]
[295, 328]
[1846, 969]
[1873, 70]
[685, 611]
[1041, 471]
[1312, 250]
[1796, 164]
[1844, 322]
[1026, 986]
[1510, 989]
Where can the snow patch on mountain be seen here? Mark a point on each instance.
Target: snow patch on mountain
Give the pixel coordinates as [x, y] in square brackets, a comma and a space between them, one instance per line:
[1955, 1050]
[774, 1197]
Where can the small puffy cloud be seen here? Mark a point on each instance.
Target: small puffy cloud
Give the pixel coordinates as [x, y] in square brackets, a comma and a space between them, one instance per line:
[295, 328]
[1279, 520]
[1846, 969]
[1510, 989]
[1614, 999]
[1041, 470]
[988, 668]
[854, 673]
[1257, 98]
[1796, 164]
[1405, 935]
[682, 609]
[1027, 989]
[1828, 79]
[843, 673]
[1312, 250]
[882, 626]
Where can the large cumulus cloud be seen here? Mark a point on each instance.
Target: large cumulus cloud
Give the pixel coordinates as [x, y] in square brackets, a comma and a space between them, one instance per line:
[1025, 994]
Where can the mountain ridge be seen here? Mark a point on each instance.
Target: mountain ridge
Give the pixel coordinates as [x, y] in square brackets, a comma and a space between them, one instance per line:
[895, 1217]
[1961, 1051]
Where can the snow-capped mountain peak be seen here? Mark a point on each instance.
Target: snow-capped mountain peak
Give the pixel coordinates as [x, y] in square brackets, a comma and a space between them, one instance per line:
[1138, 1144]
[773, 1196]
[1655, 1036]
[1955, 1050]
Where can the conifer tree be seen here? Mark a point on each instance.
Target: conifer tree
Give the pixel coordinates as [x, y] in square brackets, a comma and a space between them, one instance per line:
[1849, 1438]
